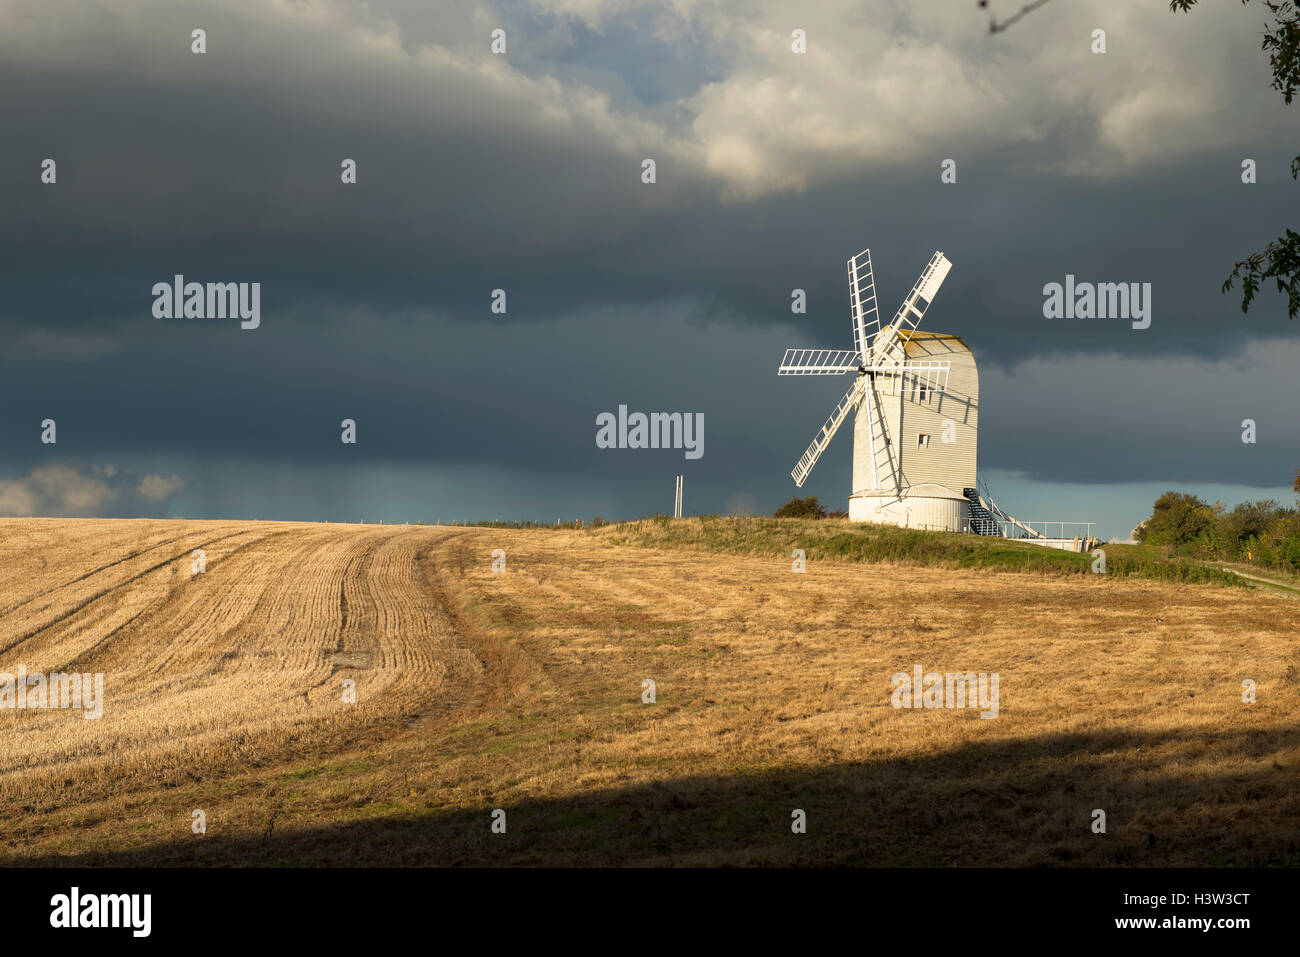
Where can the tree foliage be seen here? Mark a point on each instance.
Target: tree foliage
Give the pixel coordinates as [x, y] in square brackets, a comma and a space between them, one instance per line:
[801, 508]
[1263, 532]
[1176, 519]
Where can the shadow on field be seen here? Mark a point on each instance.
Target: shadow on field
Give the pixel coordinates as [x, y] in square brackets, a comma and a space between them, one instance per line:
[1202, 798]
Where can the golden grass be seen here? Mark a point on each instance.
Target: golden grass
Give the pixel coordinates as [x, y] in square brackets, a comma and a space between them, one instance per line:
[522, 691]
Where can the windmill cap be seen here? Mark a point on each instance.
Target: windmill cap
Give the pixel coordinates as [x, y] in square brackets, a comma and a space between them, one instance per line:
[919, 335]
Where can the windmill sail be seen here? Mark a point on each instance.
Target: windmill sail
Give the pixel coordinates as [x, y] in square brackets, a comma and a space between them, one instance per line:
[882, 452]
[862, 302]
[827, 432]
[912, 377]
[886, 346]
[881, 361]
[819, 362]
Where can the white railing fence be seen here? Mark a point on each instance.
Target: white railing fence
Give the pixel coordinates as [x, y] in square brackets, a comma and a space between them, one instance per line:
[1046, 529]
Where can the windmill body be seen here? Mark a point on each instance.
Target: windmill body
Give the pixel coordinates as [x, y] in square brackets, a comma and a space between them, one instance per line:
[933, 441]
[915, 400]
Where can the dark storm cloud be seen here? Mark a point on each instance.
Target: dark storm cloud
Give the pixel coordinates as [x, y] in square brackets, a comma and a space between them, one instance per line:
[230, 168]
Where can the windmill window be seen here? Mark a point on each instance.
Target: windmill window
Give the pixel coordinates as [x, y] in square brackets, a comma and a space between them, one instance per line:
[923, 441]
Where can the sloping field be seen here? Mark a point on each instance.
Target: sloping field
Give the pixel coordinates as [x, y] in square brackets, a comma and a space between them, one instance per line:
[523, 691]
[207, 673]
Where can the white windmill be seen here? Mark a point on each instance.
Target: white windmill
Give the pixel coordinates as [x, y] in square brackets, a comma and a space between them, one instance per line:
[916, 398]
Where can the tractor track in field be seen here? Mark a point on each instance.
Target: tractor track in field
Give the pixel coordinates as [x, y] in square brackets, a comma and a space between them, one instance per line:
[247, 655]
[1267, 585]
[103, 593]
[159, 605]
[80, 578]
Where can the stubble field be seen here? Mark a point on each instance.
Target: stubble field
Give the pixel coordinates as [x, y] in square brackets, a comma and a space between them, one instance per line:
[522, 691]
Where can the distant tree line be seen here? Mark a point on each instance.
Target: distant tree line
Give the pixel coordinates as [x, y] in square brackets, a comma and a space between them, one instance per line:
[1262, 532]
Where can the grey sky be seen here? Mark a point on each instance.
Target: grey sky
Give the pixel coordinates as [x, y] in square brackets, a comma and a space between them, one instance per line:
[522, 172]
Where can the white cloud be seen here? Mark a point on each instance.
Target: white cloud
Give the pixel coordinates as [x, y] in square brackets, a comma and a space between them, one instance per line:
[55, 490]
[887, 84]
[155, 487]
[60, 490]
[883, 84]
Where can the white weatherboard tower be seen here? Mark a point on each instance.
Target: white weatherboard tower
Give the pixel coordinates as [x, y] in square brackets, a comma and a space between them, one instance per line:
[915, 399]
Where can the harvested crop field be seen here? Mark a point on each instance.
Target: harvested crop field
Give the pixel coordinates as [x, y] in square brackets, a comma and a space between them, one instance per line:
[224, 692]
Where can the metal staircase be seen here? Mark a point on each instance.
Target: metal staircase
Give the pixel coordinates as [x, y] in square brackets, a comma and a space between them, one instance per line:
[982, 521]
[986, 511]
